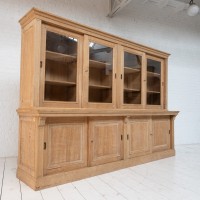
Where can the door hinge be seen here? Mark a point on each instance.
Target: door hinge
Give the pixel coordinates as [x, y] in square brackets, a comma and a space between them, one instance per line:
[121, 137]
[127, 137]
[169, 131]
[121, 76]
[40, 64]
[45, 146]
[115, 75]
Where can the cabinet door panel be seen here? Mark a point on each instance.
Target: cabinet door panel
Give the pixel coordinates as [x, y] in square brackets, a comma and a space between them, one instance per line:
[138, 137]
[66, 146]
[131, 84]
[61, 72]
[155, 79]
[161, 134]
[105, 141]
[99, 73]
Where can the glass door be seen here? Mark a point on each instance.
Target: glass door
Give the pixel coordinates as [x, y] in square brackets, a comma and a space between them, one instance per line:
[101, 69]
[62, 62]
[132, 62]
[154, 81]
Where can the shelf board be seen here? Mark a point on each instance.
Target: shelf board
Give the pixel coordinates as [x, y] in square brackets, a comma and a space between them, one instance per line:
[153, 74]
[66, 83]
[98, 64]
[128, 70]
[100, 86]
[131, 90]
[151, 92]
[50, 55]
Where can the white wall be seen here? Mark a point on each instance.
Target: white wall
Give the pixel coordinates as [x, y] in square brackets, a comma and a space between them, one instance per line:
[164, 29]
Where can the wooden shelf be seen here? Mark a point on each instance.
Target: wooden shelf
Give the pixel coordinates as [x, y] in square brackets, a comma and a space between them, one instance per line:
[98, 64]
[131, 90]
[129, 70]
[60, 57]
[150, 91]
[100, 86]
[66, 83]
[153, 74]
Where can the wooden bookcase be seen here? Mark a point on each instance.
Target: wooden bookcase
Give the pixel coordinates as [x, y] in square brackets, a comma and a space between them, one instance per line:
[90, 102]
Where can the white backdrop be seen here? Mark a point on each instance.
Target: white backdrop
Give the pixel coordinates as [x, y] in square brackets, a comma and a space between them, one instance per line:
[164, 29]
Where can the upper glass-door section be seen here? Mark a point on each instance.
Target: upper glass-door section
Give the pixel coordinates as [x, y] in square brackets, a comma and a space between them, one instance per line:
[100, 73]
[153, 82]
[60, 68]
[132, 78]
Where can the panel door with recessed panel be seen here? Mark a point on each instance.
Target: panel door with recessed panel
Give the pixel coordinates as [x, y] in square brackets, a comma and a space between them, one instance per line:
[138, 136]
[65, 146]
[105, 140]
[160, 133]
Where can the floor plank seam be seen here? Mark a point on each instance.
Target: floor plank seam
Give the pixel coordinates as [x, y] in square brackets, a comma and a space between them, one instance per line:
[3, 178]
[118, 193]
[95, 189]
[60, 193]
[20, 188]
[41, 195]
[78, 191]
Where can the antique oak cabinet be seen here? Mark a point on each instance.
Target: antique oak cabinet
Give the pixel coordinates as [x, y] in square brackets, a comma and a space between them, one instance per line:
[90, 102]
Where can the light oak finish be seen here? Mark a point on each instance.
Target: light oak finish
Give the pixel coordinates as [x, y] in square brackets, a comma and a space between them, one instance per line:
[160, 133]
[90, 102]
[138, 136]
[105, 140]
[65, 145]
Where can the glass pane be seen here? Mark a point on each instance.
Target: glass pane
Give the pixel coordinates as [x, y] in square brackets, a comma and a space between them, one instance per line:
[153, 82]
[100, 73]
[61, 68]
[132, 78]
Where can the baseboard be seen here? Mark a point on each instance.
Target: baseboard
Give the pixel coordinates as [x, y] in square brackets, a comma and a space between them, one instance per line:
[65, 177]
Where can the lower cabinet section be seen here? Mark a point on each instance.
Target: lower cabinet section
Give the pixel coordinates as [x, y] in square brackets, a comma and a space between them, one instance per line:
[55, 150]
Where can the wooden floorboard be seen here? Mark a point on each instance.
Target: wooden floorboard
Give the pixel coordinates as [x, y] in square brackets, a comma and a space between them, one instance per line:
[87, 191]
[104, 189]
[175, 178]
[29, 194]
[52, 194]
[69, 191]
[11, 185]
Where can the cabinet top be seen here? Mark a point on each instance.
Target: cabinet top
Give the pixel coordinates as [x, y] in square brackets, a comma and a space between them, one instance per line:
[61, 22]
[63, 112]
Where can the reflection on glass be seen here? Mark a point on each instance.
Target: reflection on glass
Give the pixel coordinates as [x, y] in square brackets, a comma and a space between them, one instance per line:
[100, 73]
[61, 68]
[153, 82]
[132, 78]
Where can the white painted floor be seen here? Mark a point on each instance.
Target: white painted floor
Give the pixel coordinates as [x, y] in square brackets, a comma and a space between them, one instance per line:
[168, 179]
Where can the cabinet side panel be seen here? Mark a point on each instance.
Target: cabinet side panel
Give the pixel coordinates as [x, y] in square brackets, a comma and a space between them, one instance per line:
[27, 67]
[26, 159]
